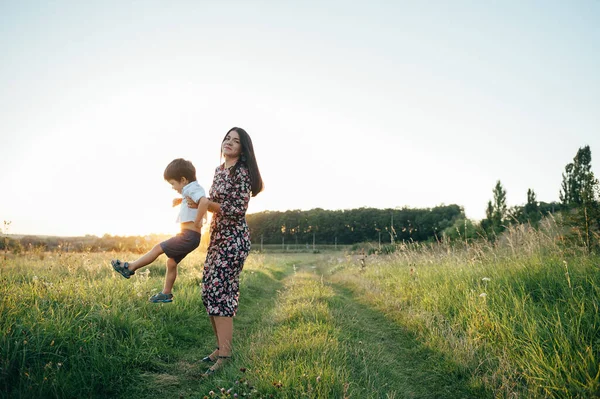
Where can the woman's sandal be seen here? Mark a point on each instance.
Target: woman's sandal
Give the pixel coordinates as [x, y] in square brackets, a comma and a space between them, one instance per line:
[221, 361]
[213, 357]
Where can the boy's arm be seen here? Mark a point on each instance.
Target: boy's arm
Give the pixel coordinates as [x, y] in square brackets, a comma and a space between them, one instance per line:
[202, 207]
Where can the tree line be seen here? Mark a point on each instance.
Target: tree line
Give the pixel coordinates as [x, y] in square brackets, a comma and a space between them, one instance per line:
[87, 243]
[579, 204]
[351, 226]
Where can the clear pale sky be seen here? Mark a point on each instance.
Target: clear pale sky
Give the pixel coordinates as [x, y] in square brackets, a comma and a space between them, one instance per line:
[349, 104]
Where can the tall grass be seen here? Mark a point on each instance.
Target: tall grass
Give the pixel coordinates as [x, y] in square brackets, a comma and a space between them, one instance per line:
[521, 315]
[518, 318]
[71, 327]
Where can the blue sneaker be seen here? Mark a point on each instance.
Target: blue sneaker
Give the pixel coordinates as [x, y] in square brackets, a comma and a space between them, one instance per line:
[161, 298]
[122, 268]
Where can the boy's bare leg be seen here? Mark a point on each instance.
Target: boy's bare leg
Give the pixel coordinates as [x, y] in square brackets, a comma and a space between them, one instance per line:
[147, 258]
[170, 276]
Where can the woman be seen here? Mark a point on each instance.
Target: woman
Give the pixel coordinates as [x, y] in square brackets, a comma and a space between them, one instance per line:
[234, 182]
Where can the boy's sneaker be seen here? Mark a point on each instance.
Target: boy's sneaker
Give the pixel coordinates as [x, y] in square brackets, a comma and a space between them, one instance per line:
[161, 298]
[122, 268]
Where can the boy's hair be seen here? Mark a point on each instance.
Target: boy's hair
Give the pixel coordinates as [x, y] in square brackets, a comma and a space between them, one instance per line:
[179, 168]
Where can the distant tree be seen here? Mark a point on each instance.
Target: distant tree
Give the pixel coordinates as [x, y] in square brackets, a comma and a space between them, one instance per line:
[461, 230]
[531, 211]
[547, 208]
[516, 215]
[486, 224]
[6, 241]
[579, 196]
[496, 212]
[499, 213]
[568, 188]
[579, 184]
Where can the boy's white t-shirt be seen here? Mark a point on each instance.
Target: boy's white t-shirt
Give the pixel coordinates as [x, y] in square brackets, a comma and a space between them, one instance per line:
[195, 192]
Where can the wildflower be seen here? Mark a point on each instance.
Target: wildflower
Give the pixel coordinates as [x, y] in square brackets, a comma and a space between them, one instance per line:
[59, 364]
[486, 279]
[277, 384]
[212, 393]
[482, 295]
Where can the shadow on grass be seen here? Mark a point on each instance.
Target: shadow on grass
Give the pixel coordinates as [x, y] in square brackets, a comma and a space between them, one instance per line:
[386, 360]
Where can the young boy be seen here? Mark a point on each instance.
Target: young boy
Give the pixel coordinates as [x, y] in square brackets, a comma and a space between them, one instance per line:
[181, 174]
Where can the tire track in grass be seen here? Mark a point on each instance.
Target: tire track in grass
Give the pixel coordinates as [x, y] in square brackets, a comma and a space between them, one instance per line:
[386, 361]
[297, 353]
[319, 341]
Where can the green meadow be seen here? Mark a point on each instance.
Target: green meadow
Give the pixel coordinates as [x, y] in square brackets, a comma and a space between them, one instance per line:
[514, 319]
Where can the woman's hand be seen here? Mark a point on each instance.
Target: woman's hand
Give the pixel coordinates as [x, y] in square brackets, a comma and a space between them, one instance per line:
[177, 201]
[191, 203]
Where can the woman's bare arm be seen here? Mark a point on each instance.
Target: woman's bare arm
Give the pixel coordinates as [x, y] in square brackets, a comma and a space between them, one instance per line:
[212, 206]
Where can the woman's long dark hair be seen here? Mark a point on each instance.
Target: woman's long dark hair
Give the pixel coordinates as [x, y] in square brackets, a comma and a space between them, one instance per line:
[247, 158]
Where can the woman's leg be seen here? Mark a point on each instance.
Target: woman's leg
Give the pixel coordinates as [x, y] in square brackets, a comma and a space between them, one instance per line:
[170, 276]
[214, 326]
[224, 328]
[214, 355]
[147, 258]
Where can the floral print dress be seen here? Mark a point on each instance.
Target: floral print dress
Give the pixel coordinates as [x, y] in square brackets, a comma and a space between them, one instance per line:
[229, 242]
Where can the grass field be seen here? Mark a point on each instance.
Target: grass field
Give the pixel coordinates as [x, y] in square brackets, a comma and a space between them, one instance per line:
[517, 320]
